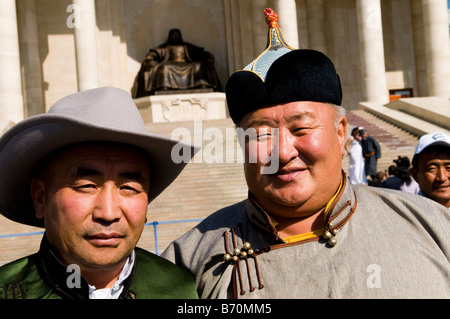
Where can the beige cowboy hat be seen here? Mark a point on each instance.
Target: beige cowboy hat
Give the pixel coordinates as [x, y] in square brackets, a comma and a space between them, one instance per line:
[103, 114]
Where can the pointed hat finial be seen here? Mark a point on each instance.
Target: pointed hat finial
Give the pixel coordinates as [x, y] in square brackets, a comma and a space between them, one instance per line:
[276, 46]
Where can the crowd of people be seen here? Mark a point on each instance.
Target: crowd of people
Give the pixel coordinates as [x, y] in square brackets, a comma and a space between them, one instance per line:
[396, 176]
[399, 177]
[402, 174]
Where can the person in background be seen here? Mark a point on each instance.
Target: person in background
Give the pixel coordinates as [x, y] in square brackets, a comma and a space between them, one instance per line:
[404, 173]
[408, 183]
[377, 180]
[356, 172]
[392, 181]
[431, 167]
[371, 152]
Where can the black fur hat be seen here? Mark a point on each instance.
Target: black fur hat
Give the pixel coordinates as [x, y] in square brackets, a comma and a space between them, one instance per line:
[299, 75]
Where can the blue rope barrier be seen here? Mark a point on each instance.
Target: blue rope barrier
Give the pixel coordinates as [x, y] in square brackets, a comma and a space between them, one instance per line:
[154, 224]
[155, 230]
[22, 234]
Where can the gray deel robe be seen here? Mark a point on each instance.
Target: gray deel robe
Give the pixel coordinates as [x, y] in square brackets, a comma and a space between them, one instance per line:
[390, 244]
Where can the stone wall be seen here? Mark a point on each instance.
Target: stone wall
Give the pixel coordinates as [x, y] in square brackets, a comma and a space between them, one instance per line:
[233, 31]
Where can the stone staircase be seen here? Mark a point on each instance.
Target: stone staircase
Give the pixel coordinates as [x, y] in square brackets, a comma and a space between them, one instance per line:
[394, 141]
[205, 185]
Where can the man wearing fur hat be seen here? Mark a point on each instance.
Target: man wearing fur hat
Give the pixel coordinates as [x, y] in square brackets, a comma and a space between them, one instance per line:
[303, 231]
[86, 171]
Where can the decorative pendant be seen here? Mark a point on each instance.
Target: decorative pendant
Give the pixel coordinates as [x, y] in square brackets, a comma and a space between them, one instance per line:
[239, 253]
[329, 234]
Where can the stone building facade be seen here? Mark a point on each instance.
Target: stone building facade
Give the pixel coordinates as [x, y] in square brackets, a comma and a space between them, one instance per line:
[51, 48]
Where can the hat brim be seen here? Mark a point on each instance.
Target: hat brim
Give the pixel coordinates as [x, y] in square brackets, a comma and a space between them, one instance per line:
[28, 142]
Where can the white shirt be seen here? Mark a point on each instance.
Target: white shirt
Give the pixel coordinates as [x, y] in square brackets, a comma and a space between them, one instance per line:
[115, 291]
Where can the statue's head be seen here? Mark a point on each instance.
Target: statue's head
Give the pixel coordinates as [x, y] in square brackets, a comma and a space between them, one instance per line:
[175, 36]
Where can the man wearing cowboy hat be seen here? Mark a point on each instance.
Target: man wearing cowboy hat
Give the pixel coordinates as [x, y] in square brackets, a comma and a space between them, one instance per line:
[86, 171]
[304, 231]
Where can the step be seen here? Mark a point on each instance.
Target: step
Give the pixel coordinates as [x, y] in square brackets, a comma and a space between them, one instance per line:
[408, 122]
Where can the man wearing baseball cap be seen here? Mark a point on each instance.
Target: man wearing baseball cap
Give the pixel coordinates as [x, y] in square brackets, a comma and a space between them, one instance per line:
[304, 231]
[86, 172]
[431, 167]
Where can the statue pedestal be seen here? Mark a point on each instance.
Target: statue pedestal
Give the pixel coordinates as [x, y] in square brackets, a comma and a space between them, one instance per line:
[182, 107]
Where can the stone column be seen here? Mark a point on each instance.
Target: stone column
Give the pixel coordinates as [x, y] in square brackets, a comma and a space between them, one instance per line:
[11, 101]
[86, 45]
[316, 25]
[31, 63]
[420, 58]
[371, 50]
[287, 14]
[437, 46]
[260, 28]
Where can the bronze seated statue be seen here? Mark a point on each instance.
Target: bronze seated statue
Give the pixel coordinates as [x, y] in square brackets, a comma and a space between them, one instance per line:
[176, 65]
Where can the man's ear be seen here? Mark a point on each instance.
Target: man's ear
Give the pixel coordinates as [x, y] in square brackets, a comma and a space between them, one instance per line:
[38, 196]
[342, 133]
